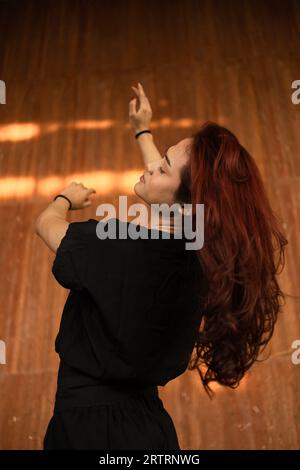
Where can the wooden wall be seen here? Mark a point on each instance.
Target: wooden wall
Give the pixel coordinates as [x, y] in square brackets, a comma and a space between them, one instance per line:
[68, 68]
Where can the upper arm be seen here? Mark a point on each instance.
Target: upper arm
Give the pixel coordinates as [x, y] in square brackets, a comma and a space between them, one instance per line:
[51, 230]
[76, 246]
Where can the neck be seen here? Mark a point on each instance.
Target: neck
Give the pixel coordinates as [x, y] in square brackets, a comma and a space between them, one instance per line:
[170, 224]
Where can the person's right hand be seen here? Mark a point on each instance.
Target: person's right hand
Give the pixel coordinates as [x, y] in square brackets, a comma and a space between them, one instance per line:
[78, 195]
[140, 119]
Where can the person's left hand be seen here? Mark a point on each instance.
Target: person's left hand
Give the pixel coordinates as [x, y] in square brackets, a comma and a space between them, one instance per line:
[78, 195]
[140, 118]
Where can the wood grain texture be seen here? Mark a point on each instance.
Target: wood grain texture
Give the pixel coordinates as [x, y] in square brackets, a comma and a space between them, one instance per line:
[68, 68]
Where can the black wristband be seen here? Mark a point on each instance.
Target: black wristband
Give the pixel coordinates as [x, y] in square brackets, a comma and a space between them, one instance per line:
[139, 133]
[65, 197]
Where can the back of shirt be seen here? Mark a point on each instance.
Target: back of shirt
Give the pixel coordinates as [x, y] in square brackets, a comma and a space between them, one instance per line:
[132, 313]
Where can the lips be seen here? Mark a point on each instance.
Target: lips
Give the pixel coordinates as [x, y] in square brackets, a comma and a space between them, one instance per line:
[142, 179]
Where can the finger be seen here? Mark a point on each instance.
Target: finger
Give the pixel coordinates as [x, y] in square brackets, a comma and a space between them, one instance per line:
[144, 99]
[90, 191]
[137, 93]
[132, 106]
[87, 203]
[141, 94]
[135, 90]
[141, 89]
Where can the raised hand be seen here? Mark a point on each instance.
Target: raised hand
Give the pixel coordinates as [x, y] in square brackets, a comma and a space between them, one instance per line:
[140, 118]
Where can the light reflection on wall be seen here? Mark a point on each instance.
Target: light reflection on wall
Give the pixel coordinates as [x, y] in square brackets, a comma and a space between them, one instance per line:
[15, 132]
[105, 182]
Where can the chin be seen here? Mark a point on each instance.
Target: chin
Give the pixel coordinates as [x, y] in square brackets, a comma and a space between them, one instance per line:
[139, 193]
[136, 189]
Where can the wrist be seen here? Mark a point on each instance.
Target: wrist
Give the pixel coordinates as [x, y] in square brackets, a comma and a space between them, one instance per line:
[143, 136]
[62, 202]
[141, 128]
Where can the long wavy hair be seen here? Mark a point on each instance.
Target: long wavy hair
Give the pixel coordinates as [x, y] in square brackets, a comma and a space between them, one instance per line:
[243, 252]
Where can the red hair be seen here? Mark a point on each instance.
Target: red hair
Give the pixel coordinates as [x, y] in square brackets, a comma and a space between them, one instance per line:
[241, 256]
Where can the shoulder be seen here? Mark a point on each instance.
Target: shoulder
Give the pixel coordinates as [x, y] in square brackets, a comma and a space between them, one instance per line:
[93, 228]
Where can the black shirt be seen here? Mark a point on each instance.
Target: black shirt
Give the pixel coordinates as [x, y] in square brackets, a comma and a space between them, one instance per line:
[132, 313]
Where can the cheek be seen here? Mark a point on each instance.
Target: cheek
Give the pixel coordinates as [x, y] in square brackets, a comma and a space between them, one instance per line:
[156, 184]
[163, 185]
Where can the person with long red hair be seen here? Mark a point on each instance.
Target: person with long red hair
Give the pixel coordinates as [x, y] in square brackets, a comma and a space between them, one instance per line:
[142, 311]
[242, 254]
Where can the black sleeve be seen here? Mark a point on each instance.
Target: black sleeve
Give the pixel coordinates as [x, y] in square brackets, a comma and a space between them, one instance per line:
[72, 255]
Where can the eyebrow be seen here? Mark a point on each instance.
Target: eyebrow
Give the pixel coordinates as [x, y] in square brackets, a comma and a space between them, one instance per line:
[168, 160]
